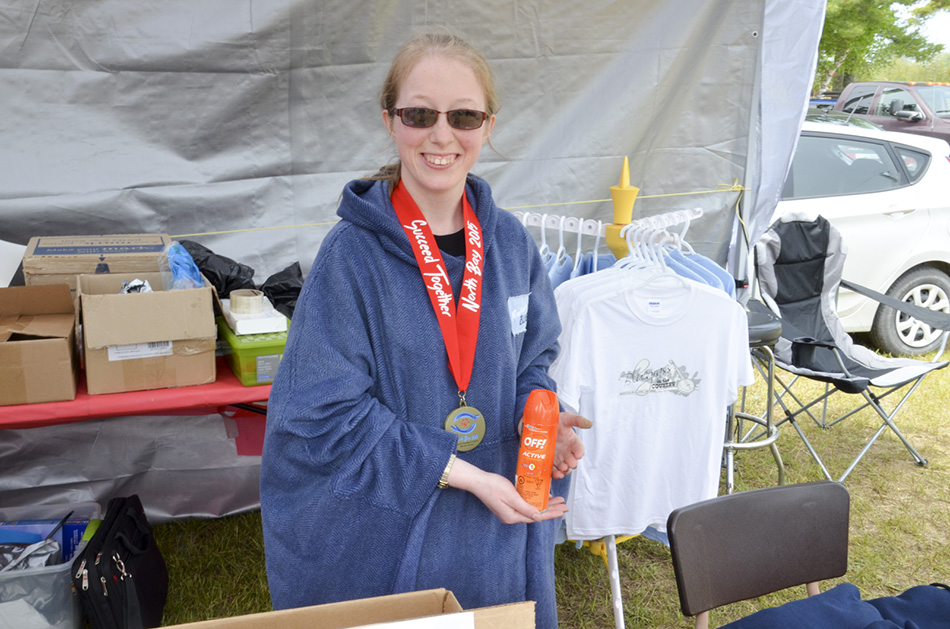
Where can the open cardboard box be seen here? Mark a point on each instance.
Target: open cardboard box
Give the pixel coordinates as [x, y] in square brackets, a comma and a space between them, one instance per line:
[140, 341]
[38, 361]
[412, 606]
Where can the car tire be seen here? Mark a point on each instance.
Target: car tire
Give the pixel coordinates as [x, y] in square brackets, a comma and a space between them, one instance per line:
[899, 334]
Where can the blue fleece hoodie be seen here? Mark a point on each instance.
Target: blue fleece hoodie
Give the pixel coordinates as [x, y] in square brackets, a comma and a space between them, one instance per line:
[355, 443]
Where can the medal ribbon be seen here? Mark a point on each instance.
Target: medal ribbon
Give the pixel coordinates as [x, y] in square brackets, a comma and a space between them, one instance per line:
[459, 325]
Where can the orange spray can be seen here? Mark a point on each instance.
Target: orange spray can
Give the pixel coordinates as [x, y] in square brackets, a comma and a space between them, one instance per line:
[536, 454]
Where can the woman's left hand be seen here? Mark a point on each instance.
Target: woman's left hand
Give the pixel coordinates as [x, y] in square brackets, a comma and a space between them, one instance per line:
[569, 448]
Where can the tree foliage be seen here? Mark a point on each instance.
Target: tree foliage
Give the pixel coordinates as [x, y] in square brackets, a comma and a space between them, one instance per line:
[903, 69]
[860, 36]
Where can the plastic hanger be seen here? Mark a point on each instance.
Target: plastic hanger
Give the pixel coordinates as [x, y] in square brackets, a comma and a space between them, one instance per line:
[544, 250]
[683, 243]
[600, 227]
[578, 252]
[561, 251]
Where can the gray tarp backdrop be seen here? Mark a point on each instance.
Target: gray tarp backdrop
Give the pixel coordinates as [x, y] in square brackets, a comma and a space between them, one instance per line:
[236, 123]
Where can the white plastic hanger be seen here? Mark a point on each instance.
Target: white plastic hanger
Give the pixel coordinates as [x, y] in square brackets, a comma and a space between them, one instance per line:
[578, 252]
[544, 250]
[561, 251]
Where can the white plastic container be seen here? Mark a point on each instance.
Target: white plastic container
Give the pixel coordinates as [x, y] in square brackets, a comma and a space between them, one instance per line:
[42, 598]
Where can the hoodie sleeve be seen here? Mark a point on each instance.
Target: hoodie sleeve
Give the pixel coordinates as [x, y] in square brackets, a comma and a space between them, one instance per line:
[540, 346]
[323, 417]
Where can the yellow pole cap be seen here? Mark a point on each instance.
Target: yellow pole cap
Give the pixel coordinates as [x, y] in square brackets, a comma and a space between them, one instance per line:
[624, 196]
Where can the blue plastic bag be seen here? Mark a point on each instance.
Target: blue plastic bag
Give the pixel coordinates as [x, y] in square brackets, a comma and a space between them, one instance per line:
[178, 268]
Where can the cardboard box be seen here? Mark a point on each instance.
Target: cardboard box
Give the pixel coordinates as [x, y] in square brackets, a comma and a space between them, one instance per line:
[59, 259]
[67, 533]
[384, 609]
[38, 361]
[139, 341]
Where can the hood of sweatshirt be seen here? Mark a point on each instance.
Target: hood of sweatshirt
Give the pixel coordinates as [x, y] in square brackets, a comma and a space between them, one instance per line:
[366, 204]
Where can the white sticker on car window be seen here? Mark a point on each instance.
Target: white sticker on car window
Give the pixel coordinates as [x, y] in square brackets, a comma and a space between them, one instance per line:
[518, 312]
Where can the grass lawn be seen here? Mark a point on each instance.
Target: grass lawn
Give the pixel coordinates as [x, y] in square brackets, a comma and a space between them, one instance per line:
[900, 518]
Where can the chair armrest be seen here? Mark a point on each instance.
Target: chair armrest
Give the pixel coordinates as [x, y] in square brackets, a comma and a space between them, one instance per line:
[933, 318]
[803, 352]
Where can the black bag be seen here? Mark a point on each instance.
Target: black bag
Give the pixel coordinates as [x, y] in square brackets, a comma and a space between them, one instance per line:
[120, 576]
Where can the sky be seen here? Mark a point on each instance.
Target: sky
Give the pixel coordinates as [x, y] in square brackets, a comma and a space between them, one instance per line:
[937, 29]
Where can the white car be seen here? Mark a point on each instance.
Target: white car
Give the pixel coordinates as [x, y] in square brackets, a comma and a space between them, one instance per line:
[889, 196]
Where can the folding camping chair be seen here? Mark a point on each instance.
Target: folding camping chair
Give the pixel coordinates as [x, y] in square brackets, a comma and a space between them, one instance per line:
[748, 544]
[798, 263]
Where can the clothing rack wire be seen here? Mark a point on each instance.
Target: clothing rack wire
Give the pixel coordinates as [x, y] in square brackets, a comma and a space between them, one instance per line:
[591, 227]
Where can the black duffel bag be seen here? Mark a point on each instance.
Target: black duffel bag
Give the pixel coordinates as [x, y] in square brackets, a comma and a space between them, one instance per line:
[120, 575]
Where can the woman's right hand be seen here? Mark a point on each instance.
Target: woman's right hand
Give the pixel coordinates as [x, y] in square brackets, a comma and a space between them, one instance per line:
[500, 495]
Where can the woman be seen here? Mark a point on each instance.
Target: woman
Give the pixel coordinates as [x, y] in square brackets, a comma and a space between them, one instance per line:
[388, 468]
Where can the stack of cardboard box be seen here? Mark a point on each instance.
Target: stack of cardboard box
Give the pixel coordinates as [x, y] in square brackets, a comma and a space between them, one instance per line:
[130, 342]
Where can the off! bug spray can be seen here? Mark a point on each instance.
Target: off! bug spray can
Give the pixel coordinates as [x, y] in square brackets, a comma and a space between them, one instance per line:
[536, 454]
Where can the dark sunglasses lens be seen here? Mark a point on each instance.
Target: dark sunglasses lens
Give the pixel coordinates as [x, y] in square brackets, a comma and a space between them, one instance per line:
[466, 118]
[418, 117]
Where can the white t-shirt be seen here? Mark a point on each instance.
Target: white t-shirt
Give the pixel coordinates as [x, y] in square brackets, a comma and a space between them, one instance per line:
[655, 366]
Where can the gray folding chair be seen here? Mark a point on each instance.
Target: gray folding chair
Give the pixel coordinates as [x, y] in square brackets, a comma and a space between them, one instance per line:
[799, 262]
[748, 544]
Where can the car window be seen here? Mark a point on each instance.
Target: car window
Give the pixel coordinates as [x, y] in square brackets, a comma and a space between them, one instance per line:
[833, 166]
[937, 98]
[915, 162]
[859, 100]
[894, 99]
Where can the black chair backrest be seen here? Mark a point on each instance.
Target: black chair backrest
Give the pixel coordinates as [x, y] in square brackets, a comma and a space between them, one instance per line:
[751, 543]
[799, 262]
[800, 274]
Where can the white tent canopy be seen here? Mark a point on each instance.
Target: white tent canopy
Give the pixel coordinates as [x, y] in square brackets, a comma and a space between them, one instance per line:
[236, 123]
[229, 119]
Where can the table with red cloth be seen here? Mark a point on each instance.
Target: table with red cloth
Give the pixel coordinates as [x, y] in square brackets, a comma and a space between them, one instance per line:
[226, 391]
[191, 451]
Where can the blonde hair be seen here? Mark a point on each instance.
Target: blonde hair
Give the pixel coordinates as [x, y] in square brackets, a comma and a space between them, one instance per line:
[414, 50]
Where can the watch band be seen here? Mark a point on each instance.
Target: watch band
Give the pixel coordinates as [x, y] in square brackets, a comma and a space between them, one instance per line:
[444, 481]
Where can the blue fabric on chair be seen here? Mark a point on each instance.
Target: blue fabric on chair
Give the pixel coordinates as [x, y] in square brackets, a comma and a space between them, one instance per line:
[920, 606]
[840, 607]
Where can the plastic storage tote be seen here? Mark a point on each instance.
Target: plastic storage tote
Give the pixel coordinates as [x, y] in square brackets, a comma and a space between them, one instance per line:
[252, 357]
[42, 598]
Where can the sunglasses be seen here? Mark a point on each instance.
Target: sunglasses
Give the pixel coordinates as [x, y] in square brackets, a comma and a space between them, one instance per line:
[422, 118]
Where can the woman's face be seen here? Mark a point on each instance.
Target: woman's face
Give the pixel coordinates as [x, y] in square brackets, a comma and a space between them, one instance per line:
[436, 160]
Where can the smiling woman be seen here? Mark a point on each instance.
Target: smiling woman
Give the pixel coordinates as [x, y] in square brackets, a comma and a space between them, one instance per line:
[393, 423]
[437, 149]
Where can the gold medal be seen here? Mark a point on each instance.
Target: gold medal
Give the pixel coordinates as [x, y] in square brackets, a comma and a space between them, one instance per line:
[468, 424]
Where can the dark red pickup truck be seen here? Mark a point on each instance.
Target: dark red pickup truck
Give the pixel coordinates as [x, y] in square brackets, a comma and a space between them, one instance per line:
[909, 107]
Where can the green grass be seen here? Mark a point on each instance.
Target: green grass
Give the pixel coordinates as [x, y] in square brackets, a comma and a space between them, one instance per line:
[900, 516]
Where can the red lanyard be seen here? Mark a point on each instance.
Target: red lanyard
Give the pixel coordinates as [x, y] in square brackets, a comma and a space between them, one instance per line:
[459, 325]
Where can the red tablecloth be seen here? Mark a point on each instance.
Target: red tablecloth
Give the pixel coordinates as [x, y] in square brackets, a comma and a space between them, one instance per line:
[194, 400]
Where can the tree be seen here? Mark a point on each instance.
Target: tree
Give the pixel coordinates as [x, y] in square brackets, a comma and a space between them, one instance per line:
[860, 35]
[907, 70]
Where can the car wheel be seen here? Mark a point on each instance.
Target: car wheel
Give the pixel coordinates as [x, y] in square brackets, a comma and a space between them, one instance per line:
[897, 333]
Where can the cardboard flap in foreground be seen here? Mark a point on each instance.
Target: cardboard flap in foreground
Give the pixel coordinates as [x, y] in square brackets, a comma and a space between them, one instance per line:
[33, 300]
[377, 610]
[53, 326]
